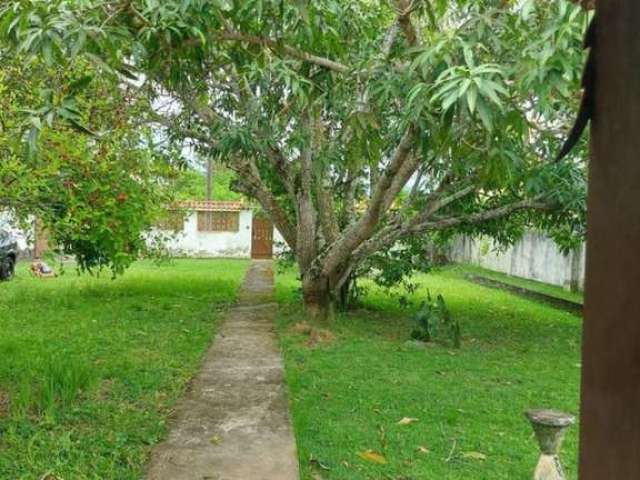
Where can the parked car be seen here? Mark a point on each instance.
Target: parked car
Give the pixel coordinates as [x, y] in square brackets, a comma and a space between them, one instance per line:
[8, 255]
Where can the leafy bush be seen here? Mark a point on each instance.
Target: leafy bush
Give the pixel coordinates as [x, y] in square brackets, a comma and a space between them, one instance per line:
[434, 323]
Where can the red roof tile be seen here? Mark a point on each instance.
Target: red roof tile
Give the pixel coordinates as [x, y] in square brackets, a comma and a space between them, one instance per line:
[211, 205]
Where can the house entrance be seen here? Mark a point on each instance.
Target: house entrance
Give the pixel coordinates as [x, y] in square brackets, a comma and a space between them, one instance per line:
[261, 238]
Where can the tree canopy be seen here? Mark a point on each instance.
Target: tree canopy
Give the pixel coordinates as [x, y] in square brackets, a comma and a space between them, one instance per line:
[362, 127]
[94, 198]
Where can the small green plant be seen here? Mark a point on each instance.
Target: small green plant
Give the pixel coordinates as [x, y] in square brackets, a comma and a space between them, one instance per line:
[434, 323]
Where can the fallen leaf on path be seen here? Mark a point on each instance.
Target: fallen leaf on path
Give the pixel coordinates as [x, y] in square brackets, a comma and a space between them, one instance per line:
[215, 440]
[407, 421]
[373, 457]
[474, 455]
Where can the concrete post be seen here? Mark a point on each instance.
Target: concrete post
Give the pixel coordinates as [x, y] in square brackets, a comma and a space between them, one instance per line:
[549, 427]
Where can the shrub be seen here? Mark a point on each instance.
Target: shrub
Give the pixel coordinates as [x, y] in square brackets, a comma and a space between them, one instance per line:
[434, 323]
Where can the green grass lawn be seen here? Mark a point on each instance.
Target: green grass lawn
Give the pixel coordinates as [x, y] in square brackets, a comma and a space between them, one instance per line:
[92, 366]
[347, 396]
[533, 285]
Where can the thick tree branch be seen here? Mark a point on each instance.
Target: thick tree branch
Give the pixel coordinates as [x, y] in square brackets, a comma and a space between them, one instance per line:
[281, 167]
[307, 214]
[474, 218]
[405, 8]
[327, 212]
[439, 202]
[374, 177]
[405, 172]
[390, 39]
[349, 198]
[386, 237]
[233, 35]
[252, 185]
[400, 168]
[365, 226]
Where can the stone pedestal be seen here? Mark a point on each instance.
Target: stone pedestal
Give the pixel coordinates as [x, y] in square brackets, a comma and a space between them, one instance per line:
[549, 427]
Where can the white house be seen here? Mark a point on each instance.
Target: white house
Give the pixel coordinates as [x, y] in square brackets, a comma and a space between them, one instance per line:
[221, 229]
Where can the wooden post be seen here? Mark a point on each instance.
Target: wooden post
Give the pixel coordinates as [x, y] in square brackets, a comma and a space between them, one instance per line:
[610, 410]
[209, 179]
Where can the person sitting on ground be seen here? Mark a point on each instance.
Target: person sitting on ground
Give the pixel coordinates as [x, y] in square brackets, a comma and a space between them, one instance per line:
[41, 270]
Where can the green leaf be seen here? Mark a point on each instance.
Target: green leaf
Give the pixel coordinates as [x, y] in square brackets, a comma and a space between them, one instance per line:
[472, 96]
[81, 128]
[35, 123]
[485, 115]
[463, 87]
[80, 84]
[47, 52]
[450, 100]
[468, 55]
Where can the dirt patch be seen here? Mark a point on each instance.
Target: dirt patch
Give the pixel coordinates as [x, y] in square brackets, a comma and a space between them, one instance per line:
[317, 336]
[303, 328]
[320, 336]
[5, 404]
[105, 389]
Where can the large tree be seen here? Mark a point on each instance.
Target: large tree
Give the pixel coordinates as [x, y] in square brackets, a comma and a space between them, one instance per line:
[358, 126]
[96, 193]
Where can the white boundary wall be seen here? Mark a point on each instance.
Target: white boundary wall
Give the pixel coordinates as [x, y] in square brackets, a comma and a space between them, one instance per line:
[535, 257]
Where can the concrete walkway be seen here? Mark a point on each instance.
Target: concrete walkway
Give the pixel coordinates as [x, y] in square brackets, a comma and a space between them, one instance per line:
[233, 423]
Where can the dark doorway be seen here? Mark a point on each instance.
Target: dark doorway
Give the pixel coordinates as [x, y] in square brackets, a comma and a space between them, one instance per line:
[261, 238]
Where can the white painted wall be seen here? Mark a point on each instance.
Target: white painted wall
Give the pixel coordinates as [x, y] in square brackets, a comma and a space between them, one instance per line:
[279, 245]
[191, 242]
[535, 257]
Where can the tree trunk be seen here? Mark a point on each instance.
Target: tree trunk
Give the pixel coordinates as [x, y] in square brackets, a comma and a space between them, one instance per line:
[318, 299]
[323, 298]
